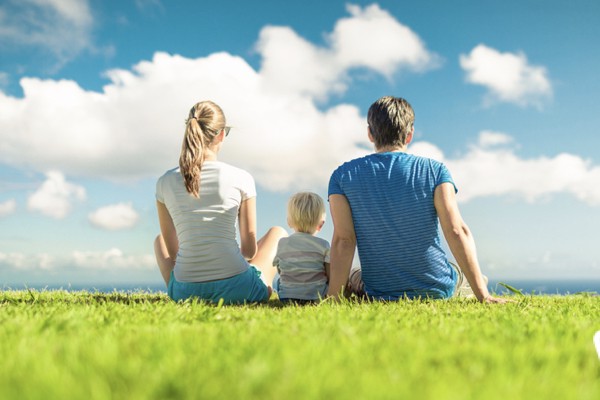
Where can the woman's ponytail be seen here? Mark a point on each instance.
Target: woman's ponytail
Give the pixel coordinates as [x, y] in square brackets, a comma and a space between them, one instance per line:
[204, 122]
[192, 156]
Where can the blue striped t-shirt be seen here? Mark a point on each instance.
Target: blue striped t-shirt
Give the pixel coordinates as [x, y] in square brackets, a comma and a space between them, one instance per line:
[396, 224]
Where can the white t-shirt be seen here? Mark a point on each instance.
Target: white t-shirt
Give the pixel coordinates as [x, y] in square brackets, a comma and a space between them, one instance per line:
[300, 262]
[206, 226]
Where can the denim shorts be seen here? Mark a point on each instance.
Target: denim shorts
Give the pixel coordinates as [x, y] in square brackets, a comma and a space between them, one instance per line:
[461, 288]
[246, 287]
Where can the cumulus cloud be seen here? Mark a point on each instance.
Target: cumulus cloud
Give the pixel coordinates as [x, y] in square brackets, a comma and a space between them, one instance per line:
[8, 207]
[112, 259]
[4, 79]
[114, 217]
[55, 196]
[491, 139]
[369, 38]
[20, 261]
[508, 76]
[61, 27]
[133, 127]
[374, 39]
[146, 5]
[497, 170]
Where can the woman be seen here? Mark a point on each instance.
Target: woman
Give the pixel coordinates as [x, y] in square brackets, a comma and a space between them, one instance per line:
[198, 206]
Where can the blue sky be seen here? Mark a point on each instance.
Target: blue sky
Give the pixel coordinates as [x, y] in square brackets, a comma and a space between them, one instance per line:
[93, 95]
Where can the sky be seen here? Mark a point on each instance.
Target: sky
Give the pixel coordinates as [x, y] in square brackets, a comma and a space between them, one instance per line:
[94, 94]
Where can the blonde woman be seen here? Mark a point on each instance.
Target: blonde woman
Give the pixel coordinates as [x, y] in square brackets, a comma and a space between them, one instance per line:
[198, 205]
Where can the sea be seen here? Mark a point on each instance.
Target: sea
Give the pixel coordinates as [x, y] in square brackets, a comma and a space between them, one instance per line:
[529, 287]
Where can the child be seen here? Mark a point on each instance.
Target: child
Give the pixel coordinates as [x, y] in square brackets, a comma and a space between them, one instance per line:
[302, 259]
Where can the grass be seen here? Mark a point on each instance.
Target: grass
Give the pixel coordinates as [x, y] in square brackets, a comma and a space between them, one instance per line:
[58, 345]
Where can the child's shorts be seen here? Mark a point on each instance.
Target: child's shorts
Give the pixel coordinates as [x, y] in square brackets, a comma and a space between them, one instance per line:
[246, 287]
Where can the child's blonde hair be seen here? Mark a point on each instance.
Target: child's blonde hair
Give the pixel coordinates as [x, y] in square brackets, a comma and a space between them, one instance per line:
[306, 210]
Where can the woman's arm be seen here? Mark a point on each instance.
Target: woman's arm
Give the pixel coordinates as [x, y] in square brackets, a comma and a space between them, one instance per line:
[167, 230]
[247, 225]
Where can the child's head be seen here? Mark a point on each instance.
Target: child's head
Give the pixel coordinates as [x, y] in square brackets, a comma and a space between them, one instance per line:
[306, 212]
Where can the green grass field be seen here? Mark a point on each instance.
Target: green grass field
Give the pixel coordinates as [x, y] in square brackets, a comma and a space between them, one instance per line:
[59, 345]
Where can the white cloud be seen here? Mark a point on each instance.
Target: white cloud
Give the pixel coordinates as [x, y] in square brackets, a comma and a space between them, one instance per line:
[133, 128]
[491, 139]
[507, 76]
[75, 11]
[149, 4]
[4, 79]
[8, 207]
[493, 171]
[370, 38]
[20, 261]
[426, 149]
[112, 259]
[61, 27]
[54, 197]
[114, 217]
[374, 39]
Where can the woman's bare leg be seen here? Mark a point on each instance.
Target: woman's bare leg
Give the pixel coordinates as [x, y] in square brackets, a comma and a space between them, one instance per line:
[165, 262]
[267, 248]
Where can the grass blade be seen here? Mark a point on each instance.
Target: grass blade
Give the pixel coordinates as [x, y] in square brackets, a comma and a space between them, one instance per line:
[511, 289]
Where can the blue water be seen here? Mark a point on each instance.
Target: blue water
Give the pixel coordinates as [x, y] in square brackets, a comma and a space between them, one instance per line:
[547, 287]
[92, 287]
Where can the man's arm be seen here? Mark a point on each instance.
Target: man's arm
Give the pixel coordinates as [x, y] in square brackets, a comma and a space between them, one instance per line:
[461, 241]
[343, 244]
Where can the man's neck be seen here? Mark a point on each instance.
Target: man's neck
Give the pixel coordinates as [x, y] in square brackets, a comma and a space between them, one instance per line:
[390, 149]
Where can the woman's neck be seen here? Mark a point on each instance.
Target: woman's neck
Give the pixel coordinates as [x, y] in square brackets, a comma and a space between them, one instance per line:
[210, 155]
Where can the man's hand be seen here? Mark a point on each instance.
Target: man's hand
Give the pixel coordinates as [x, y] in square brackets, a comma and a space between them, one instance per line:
[496, 300]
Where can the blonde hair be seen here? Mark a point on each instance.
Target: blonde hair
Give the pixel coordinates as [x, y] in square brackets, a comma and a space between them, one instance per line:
[390, 121]
[305, 211]
[205, 121]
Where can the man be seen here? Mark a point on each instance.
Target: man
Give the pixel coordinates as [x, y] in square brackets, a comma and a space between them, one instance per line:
[388, 204]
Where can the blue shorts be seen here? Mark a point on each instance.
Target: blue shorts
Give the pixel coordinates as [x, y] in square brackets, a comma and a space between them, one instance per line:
[246, 287]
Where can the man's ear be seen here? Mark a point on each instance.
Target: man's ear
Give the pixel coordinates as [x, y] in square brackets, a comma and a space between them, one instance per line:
[371, 139]
[410, 136]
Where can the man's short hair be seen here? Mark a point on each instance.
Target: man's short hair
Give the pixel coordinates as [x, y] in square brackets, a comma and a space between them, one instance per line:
[390, 121]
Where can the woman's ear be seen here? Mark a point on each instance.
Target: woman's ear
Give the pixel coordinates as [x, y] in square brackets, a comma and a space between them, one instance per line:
[220, 137]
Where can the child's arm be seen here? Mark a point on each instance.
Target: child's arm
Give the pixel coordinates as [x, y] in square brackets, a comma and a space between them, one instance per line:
[326, 265]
